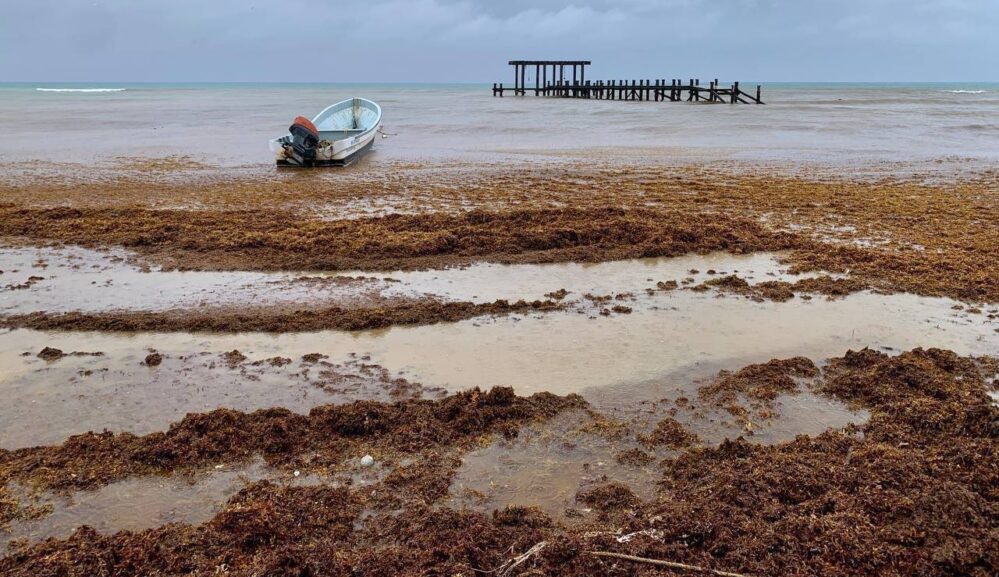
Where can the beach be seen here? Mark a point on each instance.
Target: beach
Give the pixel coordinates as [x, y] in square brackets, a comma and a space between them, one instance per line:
[758, 340]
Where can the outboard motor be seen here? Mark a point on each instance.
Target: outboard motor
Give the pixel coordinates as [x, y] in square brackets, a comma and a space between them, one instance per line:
[304, 140]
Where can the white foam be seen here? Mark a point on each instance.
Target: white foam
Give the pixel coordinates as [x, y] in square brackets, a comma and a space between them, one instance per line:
[80, 89]
[965, 91]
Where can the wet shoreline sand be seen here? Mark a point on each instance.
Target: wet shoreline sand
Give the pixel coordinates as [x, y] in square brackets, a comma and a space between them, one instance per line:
[730, 369]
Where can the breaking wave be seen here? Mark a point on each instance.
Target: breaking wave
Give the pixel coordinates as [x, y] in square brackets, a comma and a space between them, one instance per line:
[965, 91]
[80, 89]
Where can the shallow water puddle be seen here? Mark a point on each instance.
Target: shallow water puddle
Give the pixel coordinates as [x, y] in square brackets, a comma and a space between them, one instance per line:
[545, 466]
[77, 279]
[50, 400]
[548, 464]
[631, 367]
[136, 504]
[568, 352]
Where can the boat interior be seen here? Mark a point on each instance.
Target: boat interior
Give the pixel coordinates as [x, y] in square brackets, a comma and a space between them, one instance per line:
[346, 118]
[334, 135]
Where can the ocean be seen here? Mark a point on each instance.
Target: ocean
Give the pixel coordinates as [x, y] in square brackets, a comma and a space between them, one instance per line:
[228, 125]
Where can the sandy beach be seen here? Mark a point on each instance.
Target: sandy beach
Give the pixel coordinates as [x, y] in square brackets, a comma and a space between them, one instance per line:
[738, 366]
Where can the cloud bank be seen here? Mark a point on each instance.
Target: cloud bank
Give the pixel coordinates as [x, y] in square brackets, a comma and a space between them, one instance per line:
[471, 40]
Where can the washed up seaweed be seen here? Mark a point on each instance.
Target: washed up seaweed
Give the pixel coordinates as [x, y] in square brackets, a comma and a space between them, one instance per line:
[914, 491]
[274, 319]
[323, 438]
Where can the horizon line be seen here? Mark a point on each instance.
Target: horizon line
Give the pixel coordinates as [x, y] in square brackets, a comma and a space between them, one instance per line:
[452, 83]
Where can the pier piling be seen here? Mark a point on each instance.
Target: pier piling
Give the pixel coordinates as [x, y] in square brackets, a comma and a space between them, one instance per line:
[642, 90]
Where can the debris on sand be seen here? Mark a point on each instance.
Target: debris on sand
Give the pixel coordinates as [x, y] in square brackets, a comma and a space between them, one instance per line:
[233, 358]
[51, 354]
[153, 359]
[558, 295]
[275, 319]
[273, 239]
[634, 458]
[32, 281]
[761, 384]
[610, 497]
[782, 291]
[668, 433]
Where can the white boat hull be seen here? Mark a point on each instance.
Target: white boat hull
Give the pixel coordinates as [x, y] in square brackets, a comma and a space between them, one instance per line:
[347, 130]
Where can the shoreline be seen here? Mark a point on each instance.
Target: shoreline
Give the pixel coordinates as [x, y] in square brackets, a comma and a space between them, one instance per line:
[874, 458]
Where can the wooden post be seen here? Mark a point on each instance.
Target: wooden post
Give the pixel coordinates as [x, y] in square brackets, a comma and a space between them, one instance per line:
[759, 97]
[575, 81]
[501, 89]
[523, 83]
[735, 93]
[544, 78]
[537, 79]
[582, 73]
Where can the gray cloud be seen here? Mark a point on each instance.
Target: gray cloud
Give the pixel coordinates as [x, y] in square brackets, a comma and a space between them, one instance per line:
[470, 40]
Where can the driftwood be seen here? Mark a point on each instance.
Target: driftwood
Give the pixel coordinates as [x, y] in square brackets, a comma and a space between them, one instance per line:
[507, 568]
[669, 564]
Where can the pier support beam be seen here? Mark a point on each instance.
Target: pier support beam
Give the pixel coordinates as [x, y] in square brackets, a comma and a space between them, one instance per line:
[560, 85]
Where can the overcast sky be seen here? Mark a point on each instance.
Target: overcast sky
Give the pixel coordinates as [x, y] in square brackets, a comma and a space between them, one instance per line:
[471, 40]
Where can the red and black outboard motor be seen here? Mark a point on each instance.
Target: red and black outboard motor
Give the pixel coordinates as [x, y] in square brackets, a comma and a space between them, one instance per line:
[304, 141]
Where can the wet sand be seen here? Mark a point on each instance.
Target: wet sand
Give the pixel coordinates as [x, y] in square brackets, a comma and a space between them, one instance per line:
[171, 361]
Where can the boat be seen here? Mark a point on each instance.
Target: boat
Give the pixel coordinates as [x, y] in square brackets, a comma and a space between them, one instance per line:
[335, 137]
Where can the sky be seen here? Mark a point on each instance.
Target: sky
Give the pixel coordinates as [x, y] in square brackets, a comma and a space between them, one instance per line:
[472, 40]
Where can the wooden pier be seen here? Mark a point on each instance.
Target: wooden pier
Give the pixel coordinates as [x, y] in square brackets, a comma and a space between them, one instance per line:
[561, 85]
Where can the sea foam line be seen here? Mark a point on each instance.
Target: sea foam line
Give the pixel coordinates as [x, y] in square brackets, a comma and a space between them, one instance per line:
[965, 91]
[80, 89]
